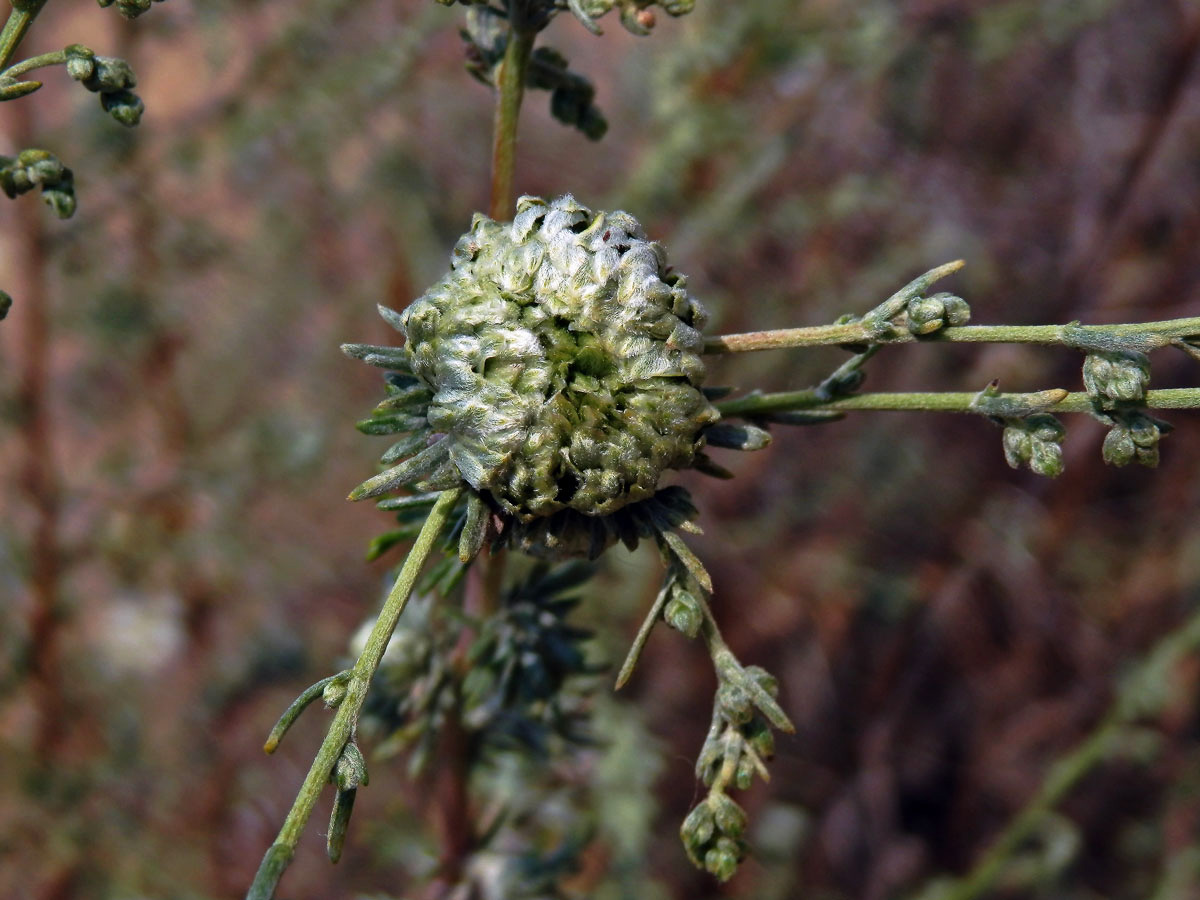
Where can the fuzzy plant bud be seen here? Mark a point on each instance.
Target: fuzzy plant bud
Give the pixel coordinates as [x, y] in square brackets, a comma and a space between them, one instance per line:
[926, 315]
[40, 169]
[571, 95]
[1115, 378]
[712, 835]
[563, 359]
[107, 73]
[351, 769]
[1134, 437]
[683, 613]
[1035, 442]
[130, 9]
[81, 62]
[124, 106]
[111, 78]
[635, 15]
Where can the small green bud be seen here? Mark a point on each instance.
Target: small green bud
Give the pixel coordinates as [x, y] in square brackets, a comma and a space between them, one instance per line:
[1119, 448]
[730, 818]
[38, 168]
[1035, 441]
[683, 613]
[735, 704]
[5, 303]
[108, 74]
[722, 860]
[130, 9]
[81, 62]
[1116, 377]
[698, 828]
[124, 106]
[350, 771]
[1134, 437]
[926, 315]
[62, 201]
[334, 693]
[1046, 459]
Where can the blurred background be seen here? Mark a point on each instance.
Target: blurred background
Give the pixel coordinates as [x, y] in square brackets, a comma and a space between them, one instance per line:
[992, 675]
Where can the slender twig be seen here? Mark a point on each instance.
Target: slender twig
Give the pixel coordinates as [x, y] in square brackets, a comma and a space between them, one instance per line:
[1052, 401]
[345, 721]
[22, 16]
[1138, 336]
[882, 326]
[53, 58]
[510, 82]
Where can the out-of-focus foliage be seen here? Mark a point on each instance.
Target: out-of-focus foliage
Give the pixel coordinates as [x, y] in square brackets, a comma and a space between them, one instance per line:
[945, 630]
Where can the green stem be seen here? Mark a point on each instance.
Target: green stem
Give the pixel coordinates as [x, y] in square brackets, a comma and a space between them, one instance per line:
[1142, 336]
[22, 16]
[53, 58]
[950, 401]
[510, 82]
[345, 721]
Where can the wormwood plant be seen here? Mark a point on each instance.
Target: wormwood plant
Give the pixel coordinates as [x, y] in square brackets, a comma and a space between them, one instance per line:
[545, 386]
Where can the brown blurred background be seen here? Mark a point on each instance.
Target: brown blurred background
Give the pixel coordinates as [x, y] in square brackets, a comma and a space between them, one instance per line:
[176, 437]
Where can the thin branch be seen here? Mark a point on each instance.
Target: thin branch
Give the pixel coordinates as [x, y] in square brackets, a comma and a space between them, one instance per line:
[1017, 404]
[1142, 336]
[884, 325]
[510, 84]
[345, 721]
[53, 58]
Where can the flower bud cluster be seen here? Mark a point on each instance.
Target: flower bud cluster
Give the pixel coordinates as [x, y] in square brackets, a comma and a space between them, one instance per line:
[130, 9]
[925, 315]
[738, 745]
[39, 169]
[572, 97]
[712, 835]
[635, 15]
[111, 78]
[1134, 437]
[1116, 378]
[1035, 442]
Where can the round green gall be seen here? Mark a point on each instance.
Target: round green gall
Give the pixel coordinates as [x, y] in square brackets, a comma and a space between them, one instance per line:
[564, 360]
